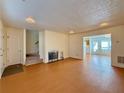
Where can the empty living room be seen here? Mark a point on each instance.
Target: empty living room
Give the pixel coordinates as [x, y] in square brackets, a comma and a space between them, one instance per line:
[61, 46]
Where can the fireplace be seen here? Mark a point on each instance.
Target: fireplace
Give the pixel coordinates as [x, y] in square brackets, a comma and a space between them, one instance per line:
[52, 56]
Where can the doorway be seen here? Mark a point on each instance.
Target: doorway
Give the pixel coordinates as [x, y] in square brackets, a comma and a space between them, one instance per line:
[97, 48]
[32, 47]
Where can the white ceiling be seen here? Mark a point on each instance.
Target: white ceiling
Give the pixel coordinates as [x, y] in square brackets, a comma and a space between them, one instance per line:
[63, 15]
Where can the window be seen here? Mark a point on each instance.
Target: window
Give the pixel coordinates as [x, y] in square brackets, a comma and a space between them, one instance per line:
[104, 45]
[95, 48]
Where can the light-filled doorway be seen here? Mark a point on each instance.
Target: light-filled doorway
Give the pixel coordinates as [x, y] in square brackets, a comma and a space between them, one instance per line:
[32, 47]
[97, 47]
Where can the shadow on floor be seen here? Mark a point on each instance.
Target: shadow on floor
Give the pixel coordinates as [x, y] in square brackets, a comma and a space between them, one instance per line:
[13, 69]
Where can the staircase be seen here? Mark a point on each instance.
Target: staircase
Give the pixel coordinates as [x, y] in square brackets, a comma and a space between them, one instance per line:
[33, 59]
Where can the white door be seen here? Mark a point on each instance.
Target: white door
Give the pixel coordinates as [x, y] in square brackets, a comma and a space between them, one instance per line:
[1, 50]
[13, 47]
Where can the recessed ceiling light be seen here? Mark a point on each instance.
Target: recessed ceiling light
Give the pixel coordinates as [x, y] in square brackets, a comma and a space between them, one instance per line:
[30, 20]
[104, 24]
[71, 32]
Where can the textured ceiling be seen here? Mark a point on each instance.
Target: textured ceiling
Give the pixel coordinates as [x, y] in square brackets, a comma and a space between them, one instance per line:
[63, 15]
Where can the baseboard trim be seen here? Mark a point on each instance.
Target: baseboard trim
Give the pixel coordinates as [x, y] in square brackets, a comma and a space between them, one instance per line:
[75, 58]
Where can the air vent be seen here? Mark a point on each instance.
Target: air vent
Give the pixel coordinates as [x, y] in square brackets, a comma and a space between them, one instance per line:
[120, 59]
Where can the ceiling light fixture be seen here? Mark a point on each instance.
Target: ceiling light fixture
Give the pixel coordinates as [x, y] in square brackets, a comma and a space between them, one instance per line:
[71, 32]
[104, 24]
[30, 20]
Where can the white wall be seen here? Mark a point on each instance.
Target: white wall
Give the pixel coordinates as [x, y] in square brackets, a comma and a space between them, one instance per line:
[56, 41]
[75, 46]
[41, 45]
[24, 46]
[117, 34]
[1, 49]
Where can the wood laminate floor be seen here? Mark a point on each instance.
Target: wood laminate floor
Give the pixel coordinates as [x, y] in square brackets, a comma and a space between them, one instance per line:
[68, 76]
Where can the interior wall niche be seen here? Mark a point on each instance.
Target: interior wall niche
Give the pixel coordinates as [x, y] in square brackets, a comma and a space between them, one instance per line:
[32, 42]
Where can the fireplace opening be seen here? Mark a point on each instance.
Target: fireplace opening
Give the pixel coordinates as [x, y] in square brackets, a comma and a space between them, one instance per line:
[53, 56]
